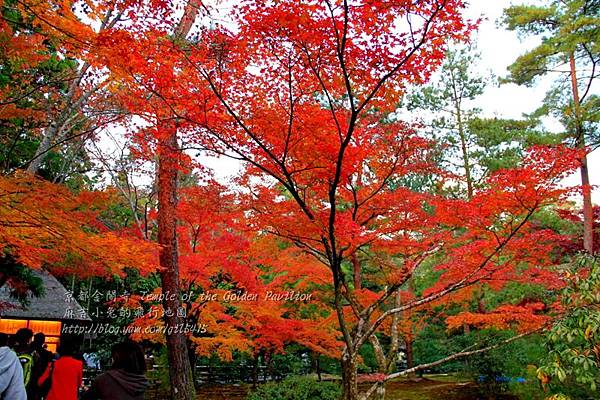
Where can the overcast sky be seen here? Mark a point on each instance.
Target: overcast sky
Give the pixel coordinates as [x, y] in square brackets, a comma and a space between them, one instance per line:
[499, 48]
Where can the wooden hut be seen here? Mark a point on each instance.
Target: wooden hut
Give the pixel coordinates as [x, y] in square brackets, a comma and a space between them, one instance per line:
[49, 314]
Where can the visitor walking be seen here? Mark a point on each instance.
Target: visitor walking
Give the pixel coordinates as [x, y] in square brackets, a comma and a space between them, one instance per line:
[65, 374]
[125, 380]
[12, 386]
[41, 359]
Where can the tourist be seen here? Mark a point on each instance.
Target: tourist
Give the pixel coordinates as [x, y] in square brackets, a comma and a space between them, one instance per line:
[65, 374]
[22, 347]
[11, 374]
[125, 380]
[22, 340]
[41, 359]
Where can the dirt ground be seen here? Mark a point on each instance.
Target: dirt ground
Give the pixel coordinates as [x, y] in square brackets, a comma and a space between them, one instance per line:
[433, 388]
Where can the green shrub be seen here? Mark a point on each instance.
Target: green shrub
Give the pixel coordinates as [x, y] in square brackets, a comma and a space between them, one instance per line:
[297, 388]
[287, 364]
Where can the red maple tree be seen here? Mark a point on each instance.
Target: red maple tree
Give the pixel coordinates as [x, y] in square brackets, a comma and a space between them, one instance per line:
[305, 97]
[305, 94]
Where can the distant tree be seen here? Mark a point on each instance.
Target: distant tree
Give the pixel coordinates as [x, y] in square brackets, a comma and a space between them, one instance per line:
[447, 98]
[473, 146]
[570, 50]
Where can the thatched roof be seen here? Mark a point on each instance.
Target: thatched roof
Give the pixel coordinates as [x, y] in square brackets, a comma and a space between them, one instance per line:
[55, 304]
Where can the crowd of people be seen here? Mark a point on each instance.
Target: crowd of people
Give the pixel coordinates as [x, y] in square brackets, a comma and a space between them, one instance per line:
[28, 371]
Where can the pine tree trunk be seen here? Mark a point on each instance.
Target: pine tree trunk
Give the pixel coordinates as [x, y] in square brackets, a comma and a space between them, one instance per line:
[588, 211]
[182, 387]
[465, 152]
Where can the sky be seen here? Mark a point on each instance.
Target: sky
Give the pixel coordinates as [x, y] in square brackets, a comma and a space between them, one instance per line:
[499, 48]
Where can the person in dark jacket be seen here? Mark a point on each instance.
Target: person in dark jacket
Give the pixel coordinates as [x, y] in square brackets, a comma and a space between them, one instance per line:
[125, 380]
[41, 359]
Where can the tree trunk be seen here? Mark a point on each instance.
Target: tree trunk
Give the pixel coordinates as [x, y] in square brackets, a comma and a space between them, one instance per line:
[315, 364]
[318, 367]
[180, 374]
[42, 150]
[349, 375]
[381, 392]
[383, 361]
[410, 357]
[465, 152]
[255, 371]
[267, 358]
[588, 212]
[269, 366]
[182, 387]
[193, 357]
